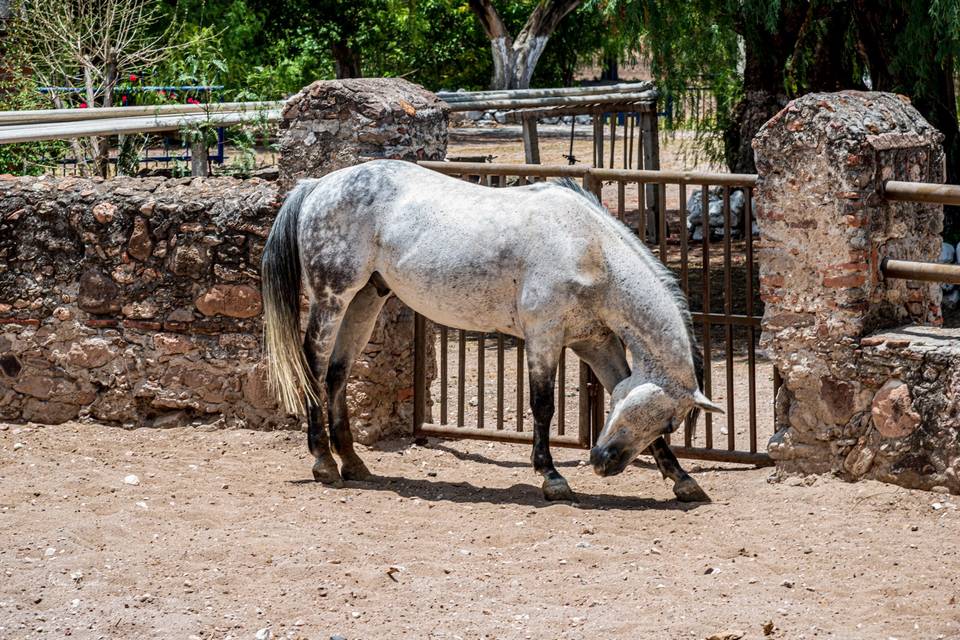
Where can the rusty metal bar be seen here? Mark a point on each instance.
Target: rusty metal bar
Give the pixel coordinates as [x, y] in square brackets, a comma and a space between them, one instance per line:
[898, 191]
[444, 340]
[481, 378]
[440, 431]
[727, 310]
[500, 375]
[705, 288]
[719, 455]
[461, 376]
[751, 333]
[419, 371]
[621, 196]
[657, 176]
[562, 393]
[662, 221]
[924, 271]
[520, 402]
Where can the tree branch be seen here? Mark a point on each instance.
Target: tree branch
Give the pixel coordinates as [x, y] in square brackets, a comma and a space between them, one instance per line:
[489, 19]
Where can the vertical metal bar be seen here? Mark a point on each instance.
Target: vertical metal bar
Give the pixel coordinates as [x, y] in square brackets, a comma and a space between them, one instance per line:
[688, 426]
[613, 138]
[500, 376]
[562, 393]
[707, 364]
[728, 311]
[584, 431]
[419, 371]
[444, 339]
[481, 379]
[598, 138]
[596, 404]
[531, 143]
[684, 266]
[751, 334]
[628, 149]
[461, 375]
[641, 202]
[519, 385]
[662, 220]
[621, 197]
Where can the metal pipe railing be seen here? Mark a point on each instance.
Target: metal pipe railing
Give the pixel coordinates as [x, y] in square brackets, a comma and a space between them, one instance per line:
[948, 194]
[556, 171]
[923, 271]
[118, 126]
[40, 116]
[649, 96]
[472, 96]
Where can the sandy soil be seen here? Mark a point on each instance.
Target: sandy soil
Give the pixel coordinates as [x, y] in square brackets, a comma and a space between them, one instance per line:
[224, 535]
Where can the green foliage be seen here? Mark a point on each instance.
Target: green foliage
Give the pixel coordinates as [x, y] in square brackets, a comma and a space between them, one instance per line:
[19, 92]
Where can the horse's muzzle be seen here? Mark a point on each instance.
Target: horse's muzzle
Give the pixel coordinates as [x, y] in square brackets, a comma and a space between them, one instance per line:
[610, 460]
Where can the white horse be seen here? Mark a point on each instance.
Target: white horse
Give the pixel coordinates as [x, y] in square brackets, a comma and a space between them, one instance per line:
[545, 262]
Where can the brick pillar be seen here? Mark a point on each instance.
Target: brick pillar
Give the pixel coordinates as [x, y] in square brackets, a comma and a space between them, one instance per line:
[825, 226]
[338, 123]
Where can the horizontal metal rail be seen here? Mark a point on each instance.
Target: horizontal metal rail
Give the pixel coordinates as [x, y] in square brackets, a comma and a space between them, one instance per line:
[553, 171]
[521, 437]
[649, 97]
[473, 96]
[118, 126]
[40, 116]
[925, 271]
[948, 194]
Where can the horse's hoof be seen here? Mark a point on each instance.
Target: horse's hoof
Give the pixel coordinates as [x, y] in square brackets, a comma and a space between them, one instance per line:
[557, 489]
[325, 471]
[687, 490]
[355, 470]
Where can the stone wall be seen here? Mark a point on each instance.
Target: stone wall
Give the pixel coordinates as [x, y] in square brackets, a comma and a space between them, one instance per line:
[825, 226]
[134, 301]
[332, 124]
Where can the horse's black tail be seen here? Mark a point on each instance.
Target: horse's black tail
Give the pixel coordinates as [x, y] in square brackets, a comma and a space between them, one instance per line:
[280, 272]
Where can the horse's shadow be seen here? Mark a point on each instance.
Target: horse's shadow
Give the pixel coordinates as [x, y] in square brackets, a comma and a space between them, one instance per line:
[524, 495]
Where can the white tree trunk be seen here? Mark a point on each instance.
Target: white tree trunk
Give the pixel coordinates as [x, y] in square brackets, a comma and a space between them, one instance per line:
[513, 66]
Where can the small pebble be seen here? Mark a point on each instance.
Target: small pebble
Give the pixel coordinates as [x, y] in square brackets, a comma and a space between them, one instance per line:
[787, 583]
[263, 634]
[131, 479]
[18, 445]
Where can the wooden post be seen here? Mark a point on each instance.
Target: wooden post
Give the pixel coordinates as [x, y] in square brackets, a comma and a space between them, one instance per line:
[531, 143]
[199, 159]
[651, 162]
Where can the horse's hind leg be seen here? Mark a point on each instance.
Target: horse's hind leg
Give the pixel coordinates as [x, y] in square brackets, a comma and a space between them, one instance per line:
[321, 331]
[354, 334]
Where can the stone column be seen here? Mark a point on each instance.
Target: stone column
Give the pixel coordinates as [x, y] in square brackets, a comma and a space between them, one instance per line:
[825, 227]
[338, 123]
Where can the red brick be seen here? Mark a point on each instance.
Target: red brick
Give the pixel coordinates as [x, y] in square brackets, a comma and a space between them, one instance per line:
[844, 282]
[142, 325]
[27, 322]
[102, 323]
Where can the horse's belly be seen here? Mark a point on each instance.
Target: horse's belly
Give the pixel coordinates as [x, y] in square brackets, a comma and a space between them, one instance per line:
[476, 310]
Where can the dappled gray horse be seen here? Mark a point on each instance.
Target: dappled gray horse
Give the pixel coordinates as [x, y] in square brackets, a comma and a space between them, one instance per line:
[545, 263]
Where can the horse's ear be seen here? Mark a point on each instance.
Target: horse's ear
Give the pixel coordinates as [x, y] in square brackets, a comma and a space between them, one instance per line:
[706, 403]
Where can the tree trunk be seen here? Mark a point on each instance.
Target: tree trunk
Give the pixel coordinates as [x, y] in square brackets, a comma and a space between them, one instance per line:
[514, 61]
[346, 60]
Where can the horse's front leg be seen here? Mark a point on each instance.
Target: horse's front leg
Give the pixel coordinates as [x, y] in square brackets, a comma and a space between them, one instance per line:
[542, 360]
[684, 487]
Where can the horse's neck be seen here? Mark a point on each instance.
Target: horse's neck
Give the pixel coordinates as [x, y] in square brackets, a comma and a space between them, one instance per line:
[651, 326]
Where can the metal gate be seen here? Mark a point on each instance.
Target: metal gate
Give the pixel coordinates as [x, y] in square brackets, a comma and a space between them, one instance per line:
[478, 390]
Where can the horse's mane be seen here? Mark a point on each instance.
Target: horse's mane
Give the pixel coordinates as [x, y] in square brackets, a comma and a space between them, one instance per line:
[660, 270]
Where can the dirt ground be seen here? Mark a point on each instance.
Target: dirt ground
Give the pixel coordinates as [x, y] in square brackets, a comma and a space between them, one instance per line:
[225, 535]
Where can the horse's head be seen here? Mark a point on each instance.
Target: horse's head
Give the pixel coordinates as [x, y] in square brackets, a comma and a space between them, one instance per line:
[640, 413]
